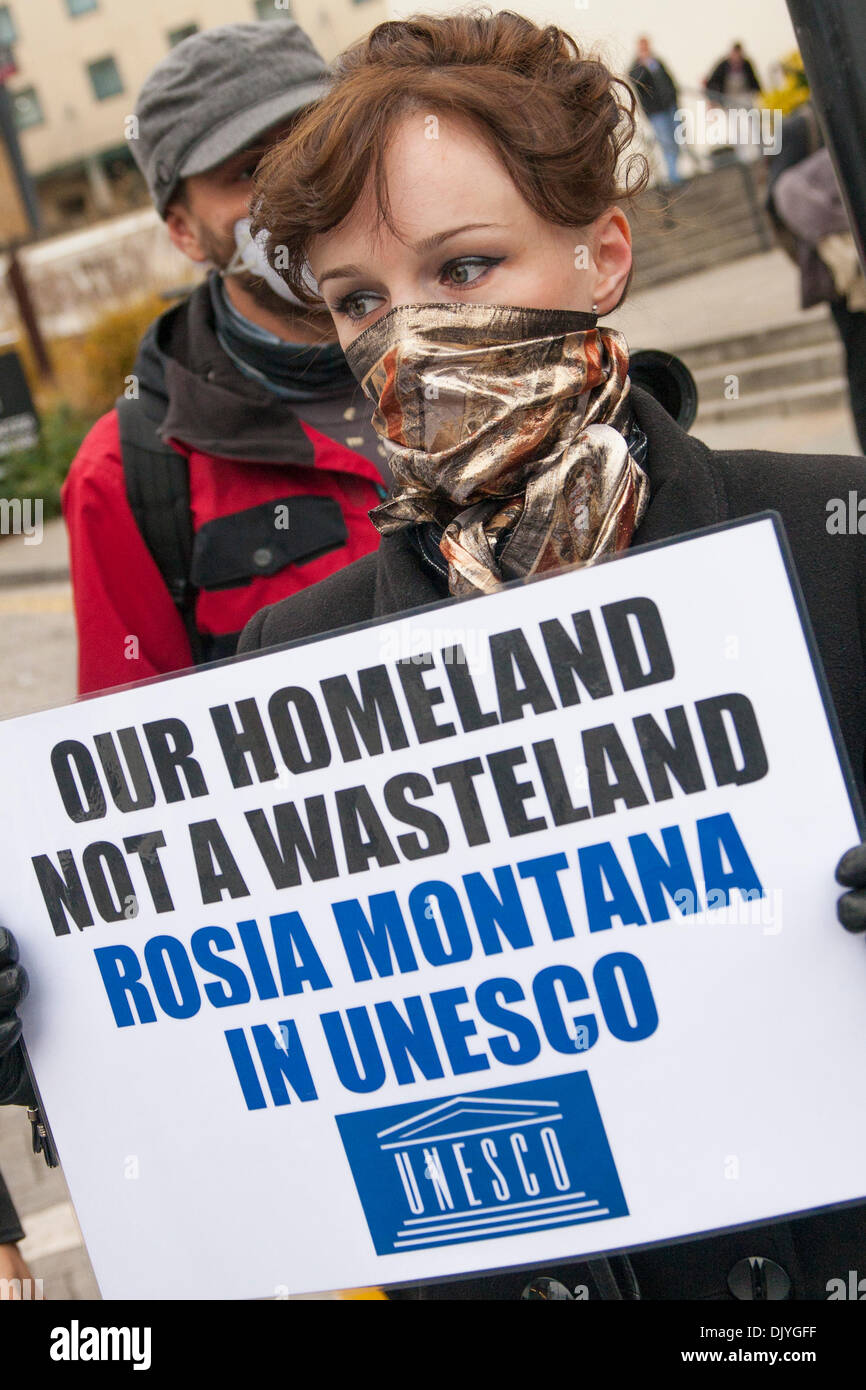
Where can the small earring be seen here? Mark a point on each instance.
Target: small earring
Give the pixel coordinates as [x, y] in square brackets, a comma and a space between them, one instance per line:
[595, 308]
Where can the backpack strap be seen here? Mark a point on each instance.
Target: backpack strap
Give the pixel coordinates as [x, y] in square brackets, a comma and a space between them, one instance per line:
[157, 486]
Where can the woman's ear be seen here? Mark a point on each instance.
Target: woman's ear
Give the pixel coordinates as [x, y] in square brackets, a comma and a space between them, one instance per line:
[182, 230]
[612, 257]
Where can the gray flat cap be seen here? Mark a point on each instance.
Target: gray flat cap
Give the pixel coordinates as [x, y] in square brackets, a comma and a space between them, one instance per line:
[215, 92]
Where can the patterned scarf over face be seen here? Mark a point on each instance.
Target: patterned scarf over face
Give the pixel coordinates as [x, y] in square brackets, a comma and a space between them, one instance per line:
[506, 427]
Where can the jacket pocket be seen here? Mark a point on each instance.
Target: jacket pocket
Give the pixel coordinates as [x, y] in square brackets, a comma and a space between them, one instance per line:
[262, 540]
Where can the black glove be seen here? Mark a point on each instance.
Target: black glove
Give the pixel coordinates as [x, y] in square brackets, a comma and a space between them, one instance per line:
[851, 873]
[15, 1087]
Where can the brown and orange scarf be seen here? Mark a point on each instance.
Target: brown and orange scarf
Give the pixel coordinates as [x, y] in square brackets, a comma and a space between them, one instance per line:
[507, 428]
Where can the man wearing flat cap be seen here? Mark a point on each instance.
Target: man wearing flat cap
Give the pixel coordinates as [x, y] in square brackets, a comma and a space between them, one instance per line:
[243, 465]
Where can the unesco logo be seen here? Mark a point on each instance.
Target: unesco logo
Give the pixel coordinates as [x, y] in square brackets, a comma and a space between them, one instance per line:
[483, 1165]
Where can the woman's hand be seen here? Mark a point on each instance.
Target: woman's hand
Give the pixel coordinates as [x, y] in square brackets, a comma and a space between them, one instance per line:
[851, 873]
[14, 1084]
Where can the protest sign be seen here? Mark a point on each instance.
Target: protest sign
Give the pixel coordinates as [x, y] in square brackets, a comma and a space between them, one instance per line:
[494, 934]
[19, 423]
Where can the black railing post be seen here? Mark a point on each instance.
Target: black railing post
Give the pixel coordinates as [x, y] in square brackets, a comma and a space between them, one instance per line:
[760, 221]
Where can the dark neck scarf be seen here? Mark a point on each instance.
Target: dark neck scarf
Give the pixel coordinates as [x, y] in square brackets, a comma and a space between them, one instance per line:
[295, 371]
[506, 427]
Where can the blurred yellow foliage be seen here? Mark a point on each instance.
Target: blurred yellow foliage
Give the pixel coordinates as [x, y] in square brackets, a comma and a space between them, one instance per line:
[793, 90]
[89, 368]
[110, 346]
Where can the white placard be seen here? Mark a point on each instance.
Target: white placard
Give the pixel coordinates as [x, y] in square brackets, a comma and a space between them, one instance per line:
[440, 990]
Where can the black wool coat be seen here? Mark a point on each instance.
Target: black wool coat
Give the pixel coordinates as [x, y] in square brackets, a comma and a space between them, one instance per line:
[691, 486]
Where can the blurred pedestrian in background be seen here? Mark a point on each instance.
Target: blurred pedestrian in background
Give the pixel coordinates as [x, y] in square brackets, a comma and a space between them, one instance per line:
[243, 464]
[657, 94]
[733, 81]
[806, 200]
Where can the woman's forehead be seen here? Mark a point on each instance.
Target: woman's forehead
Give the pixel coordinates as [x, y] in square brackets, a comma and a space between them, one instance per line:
[433, 185]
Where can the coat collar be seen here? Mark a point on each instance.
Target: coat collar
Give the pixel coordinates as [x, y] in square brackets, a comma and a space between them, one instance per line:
[685, 491]
[202, 402]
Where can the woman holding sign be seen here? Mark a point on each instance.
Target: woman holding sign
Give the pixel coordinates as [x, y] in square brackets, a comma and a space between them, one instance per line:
[456, 201]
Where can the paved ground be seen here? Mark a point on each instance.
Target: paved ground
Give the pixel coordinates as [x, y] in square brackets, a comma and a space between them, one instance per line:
[37, 646]
[759, 292]
[738, 297]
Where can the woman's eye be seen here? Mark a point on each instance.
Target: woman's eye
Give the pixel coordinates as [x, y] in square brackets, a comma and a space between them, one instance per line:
[467, 269]
[358, 306]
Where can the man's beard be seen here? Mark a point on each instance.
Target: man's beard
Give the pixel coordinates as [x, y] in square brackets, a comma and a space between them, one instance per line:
[220, 249]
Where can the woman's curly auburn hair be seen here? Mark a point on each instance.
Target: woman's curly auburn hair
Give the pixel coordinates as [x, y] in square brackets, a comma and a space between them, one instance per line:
[558, 121]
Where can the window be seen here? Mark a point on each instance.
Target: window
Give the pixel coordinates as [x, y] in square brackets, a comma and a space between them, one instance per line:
[272, 9]
[176, 36]
[7, 26]
[73, 206]
[76, 7]
[27, 108]
[105, 78]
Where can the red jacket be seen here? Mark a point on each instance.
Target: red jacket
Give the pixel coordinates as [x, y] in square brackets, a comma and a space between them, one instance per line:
[128, 626]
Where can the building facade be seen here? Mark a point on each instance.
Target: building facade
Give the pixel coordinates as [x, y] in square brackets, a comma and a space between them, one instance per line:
[80, 64]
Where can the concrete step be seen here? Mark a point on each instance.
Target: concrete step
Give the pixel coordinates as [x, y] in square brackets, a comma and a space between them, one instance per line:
[717, 239]
[814, 331]
[725, 206]
[815, 395]
[715, 218]
[698, 201]
[773, 370]
[685, 212]
[706, 184]
[705, 255]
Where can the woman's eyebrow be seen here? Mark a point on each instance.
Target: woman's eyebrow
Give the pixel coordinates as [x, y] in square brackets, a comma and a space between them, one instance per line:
[339, 272]
[428, 243]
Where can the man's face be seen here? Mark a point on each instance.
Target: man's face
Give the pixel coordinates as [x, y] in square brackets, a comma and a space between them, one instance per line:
[201, 223]
[214, 202]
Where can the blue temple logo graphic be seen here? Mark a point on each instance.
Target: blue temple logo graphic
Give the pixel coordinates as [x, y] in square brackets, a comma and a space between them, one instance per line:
[483, 1164]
